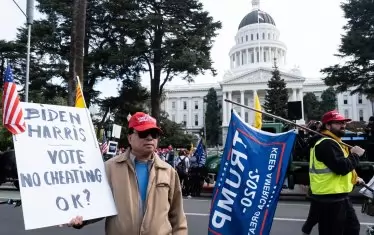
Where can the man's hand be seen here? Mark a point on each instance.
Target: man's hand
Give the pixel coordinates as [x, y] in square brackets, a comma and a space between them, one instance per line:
[360, 181]
[358, 150]
[77, 221]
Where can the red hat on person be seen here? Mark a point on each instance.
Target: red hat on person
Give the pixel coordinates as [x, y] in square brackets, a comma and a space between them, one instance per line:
[334, 116]
[141, 122]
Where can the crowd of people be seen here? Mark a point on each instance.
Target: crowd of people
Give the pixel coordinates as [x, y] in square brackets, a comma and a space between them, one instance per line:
[190, 166]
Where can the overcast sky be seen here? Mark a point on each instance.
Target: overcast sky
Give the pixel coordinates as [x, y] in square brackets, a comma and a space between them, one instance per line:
[310, 29]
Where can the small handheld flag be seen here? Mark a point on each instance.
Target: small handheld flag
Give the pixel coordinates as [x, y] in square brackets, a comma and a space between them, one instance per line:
[104, 145]
[258, 116]
[79, 98]
[13, 118]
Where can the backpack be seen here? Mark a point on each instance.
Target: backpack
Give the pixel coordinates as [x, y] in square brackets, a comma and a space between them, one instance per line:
[181, 167]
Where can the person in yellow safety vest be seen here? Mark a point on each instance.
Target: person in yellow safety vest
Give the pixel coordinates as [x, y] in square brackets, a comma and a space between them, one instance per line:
[332, 177]
[312, 218]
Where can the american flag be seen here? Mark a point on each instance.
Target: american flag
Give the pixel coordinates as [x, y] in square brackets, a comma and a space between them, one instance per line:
[104, 145]
[12, 111]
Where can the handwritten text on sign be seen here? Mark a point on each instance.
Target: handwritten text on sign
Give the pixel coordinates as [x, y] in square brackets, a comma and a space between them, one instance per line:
[60, 167]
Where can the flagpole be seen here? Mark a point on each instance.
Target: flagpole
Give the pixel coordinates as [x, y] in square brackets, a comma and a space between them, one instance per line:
[284, 120]
[88, 115]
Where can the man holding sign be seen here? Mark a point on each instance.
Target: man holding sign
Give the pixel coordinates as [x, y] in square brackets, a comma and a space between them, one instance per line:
[146, 190]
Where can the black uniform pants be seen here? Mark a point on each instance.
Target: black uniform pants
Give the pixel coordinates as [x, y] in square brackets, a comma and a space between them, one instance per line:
[312, 219]
[337, 218]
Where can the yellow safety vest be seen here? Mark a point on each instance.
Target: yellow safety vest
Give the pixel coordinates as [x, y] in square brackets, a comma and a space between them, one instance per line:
[323, 180]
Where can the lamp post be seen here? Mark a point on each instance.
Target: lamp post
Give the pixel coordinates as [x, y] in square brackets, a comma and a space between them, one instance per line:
[29, 19]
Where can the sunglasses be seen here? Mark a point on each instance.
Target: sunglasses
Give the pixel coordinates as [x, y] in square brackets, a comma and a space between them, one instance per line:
[144, 134]
[339, 122]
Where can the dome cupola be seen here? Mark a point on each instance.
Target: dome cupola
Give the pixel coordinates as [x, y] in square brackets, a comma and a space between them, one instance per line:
[257, 42]
[256, 17]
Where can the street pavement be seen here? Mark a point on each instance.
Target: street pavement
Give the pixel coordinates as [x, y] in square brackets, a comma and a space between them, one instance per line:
[289, 218]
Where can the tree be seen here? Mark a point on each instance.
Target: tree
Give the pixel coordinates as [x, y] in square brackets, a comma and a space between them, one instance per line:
[328, 100]
[357, 49]
[131, 98]
[77, 40]
[212, 117]
[173, 134]
[174, 39]
[9, 54]
[311, 107]
[276, 97]
[106, 54]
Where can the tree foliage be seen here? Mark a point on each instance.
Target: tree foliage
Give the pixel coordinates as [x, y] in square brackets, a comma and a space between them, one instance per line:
[173, 39]
[276, 97]
[356, 49]
[212, 118]
[173, 134]
[105, 48]
[328, 100]
[311, 107]
[314, 109]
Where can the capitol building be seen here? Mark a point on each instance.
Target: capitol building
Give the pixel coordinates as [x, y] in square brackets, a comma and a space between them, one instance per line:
[257, 44]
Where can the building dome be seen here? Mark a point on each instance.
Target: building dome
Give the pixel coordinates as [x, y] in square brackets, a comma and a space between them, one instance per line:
[252, 18]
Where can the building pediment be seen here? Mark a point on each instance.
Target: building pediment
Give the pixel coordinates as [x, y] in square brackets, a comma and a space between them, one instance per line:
[260, 75]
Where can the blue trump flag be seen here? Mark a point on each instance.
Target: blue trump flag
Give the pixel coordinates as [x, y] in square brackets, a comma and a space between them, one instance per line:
[200, 154]
[250, 179]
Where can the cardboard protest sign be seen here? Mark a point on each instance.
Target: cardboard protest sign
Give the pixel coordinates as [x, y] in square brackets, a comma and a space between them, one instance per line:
[60, 168]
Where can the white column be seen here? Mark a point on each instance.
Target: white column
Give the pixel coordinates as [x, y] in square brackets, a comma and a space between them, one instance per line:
[248, 56]
[230, 107]
[251, 115]
[180, 109]
[294, 94]
[242, 102]
[190, 118]
[301, 98]
[255, 55]
[354, 107]
[224, 109]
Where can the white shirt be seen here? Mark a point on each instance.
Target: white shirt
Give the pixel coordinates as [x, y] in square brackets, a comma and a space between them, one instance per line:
[186, 160]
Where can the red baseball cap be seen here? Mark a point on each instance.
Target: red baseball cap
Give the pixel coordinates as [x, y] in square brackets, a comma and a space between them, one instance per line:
[334, 116]
[141, 122]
